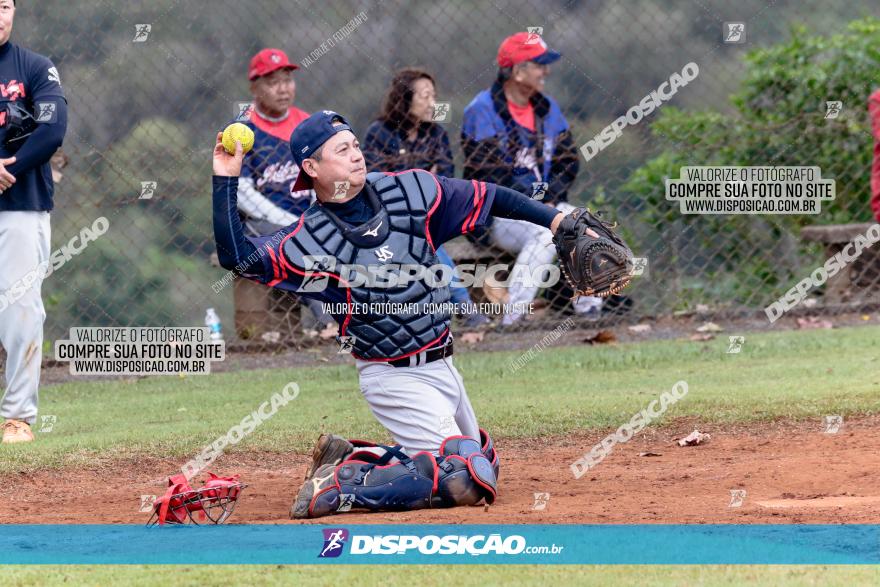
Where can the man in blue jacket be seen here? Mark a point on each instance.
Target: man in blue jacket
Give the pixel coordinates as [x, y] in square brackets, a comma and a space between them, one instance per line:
[33, 120]
[516, 136]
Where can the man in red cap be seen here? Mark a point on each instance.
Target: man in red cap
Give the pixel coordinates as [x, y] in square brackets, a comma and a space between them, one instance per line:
[516, 136]
[267, 198]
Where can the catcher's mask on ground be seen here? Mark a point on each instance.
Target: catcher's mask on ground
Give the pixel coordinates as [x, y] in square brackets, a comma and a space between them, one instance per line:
[214, 501]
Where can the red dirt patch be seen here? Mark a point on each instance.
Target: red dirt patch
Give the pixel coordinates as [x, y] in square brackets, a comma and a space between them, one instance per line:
[791, 473]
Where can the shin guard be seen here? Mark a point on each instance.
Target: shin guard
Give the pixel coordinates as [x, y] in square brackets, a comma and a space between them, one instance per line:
[461, 475]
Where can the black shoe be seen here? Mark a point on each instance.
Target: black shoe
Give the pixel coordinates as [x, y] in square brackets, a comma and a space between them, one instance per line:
[324, 477]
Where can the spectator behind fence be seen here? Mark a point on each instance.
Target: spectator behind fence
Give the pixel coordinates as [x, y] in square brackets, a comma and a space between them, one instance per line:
[265, 195]
[267, 201]
[874, 110]
[405, 136]
[516, 136]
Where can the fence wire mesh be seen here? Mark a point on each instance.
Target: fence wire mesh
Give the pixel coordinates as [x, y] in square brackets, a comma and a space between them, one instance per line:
[150, 84]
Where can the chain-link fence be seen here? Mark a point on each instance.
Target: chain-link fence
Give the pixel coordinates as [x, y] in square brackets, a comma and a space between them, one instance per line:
[149, 85]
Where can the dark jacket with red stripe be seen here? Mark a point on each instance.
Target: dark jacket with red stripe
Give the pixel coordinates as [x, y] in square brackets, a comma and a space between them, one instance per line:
[412, 213]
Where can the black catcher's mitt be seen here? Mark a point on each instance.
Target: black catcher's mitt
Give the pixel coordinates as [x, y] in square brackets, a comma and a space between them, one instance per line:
[20, 124]
[594, 260]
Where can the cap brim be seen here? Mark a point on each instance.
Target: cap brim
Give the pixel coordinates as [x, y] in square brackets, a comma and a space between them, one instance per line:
[547, 57]
[290, 66]
[303, 182]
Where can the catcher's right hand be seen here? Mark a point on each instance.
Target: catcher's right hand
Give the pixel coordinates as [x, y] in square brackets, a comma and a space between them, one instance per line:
[226, 165]
[594, 260]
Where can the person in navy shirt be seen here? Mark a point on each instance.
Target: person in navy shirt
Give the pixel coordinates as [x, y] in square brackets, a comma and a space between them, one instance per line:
[441, 458]
[266, 196]
[33, 120]
[405, 136]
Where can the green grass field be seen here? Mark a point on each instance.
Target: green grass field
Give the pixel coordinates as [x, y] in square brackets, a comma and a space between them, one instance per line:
[786, 375]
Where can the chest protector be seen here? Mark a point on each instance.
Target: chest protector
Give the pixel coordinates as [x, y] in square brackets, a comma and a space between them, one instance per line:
[395, 235]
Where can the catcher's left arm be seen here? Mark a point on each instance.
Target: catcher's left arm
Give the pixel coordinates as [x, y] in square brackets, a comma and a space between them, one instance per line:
[594, 259]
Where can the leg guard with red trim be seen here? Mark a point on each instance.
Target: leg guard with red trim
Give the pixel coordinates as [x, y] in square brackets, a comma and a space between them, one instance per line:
[466, 475]
[462, 475]
[488, 449]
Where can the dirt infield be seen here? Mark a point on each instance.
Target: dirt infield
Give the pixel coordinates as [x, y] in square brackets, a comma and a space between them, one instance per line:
[791, 473]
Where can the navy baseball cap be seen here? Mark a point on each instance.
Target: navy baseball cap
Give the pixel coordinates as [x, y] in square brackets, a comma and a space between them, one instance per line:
[308, 136]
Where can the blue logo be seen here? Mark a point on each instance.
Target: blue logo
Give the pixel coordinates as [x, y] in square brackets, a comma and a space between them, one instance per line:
[334, 540]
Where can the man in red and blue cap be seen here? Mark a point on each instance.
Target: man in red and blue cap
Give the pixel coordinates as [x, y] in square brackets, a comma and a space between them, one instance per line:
[515, 135]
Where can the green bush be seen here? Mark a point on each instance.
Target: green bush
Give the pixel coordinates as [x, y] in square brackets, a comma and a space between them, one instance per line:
[778, 119]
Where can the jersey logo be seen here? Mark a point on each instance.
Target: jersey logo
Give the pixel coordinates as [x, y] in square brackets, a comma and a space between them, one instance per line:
[374, 231]
[281, 173]
[12, 90]
[384, 254]
[53, 75]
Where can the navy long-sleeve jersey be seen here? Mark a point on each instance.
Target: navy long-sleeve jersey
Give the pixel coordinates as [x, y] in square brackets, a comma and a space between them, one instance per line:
[464, 206]
[32, 79]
